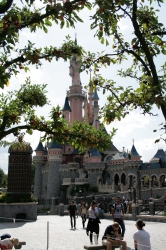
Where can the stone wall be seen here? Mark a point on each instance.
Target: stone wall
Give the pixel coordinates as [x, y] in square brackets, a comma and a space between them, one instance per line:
[10, 211]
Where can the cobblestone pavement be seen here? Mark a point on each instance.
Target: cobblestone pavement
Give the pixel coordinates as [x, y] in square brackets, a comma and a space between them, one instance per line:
[61, 237]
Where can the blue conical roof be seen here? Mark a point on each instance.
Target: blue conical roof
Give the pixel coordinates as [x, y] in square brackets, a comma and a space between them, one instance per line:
[55, 145]
[159, 155]
[95, 152]
[66, 105]
[95, 96]
[134, 151]
[40, 147]
[75, 152]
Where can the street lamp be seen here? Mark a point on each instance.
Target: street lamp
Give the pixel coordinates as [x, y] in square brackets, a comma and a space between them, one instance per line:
[134, 194]
[80, 191]
[151, 191]
[134, 190]
[129, 191]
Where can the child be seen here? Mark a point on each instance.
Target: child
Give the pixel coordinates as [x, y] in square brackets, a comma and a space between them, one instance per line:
[8, 243]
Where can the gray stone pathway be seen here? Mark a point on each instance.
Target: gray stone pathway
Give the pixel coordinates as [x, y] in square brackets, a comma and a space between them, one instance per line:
[61, 237]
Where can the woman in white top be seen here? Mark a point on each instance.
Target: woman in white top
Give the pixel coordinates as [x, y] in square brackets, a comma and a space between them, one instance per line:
[141, 237]
[83, 213]
[93, 223]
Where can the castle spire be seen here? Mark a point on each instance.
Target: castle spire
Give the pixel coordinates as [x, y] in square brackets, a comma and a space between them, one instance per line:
[75, 38]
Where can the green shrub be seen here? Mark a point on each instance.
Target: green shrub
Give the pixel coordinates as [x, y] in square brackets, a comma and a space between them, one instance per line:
[93, 189]
[8, 198]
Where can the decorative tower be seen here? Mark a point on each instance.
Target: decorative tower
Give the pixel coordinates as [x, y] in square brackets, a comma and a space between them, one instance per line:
[76, 95]
[90, 112]
[20, 170]
[134, 154]
[55, 159]
[66, 109]
[39, 160]
[95, 155]
[95, 99]
[86, 120]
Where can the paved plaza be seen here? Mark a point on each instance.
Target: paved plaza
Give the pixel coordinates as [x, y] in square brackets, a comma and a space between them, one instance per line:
[61, 237]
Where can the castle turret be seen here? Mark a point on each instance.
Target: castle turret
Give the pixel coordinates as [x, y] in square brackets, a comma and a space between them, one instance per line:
[134, 154]
[76, 95]
[95, 155]
[86, 120]
[39, 161]
[54, 158]
[90, 112]
[66, 109]
[95, 99]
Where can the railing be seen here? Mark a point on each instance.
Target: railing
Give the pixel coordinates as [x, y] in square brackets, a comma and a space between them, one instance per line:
[159, 209]
[105, 188]
[66, 181]
[81, 180]
[144, 209]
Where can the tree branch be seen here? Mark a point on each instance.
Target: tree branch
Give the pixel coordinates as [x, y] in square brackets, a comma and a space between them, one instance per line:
[5, 7]
[12, 130]
[160, 33]
[147, 53]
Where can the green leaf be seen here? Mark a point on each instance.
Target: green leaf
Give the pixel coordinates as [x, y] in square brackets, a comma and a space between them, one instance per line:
[102, 40]
[45, 29]
[62, 24]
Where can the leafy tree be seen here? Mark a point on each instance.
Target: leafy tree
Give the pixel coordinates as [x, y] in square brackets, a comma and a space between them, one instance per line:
[3, 178]
[144, 46]
[22, 103]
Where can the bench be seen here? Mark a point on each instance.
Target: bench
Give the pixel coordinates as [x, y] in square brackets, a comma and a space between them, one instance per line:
[20, 244]
[98, 247]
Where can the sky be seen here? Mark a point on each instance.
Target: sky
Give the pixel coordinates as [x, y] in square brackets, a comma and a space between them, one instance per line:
[135, 126]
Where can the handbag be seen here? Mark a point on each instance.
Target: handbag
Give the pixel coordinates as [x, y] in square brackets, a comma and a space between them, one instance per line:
[98, 220]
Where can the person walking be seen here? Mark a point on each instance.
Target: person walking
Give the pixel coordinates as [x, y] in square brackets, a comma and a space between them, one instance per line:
[83, 213]
[72, 212]
[141, 237]
[112, 237]
[117, 211]
[93, 222]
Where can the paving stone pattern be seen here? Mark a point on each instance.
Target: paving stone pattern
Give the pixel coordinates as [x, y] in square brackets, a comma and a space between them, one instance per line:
[61, 237]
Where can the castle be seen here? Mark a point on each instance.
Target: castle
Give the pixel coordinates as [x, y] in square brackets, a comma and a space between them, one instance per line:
[59, 168]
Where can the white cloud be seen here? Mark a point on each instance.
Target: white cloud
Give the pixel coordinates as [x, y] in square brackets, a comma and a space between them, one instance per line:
[131, 122]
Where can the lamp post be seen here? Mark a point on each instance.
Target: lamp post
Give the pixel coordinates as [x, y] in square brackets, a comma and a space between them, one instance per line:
[151, 191]
[134, 190]
[84, 195]
[134, 194]
[129, 191]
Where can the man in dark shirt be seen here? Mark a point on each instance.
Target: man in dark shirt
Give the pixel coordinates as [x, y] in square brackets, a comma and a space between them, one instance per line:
[112, 237]
[72, 212]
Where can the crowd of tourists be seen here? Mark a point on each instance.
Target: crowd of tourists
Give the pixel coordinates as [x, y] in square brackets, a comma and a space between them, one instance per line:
[114, 233]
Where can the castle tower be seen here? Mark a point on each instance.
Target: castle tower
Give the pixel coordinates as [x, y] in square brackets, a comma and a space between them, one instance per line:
[55, 159]
[39, 161]
[95, 99]
[75, 95]
[86, 120]
[66, 109]
[20, 170]
[134, 154]
[95, 155]
[90, 112]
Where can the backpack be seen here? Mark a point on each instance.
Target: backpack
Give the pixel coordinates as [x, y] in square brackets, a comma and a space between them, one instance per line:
[114, 206]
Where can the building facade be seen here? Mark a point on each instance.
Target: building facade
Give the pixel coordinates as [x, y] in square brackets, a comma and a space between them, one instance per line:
[59, 168]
